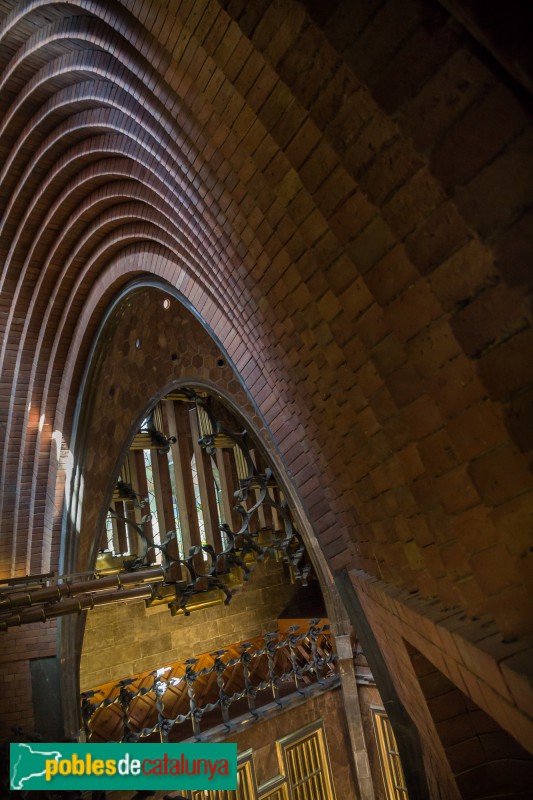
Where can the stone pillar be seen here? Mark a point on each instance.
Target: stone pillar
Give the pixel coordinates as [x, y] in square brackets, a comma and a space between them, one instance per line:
[353, 716]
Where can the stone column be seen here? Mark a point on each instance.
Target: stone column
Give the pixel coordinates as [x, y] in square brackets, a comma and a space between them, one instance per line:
[353, 716]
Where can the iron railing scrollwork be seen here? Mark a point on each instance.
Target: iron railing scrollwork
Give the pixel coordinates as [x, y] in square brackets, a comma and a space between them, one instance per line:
[302, 659]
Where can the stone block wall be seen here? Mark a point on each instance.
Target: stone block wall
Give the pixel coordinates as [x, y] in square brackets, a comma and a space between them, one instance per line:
[127, 638]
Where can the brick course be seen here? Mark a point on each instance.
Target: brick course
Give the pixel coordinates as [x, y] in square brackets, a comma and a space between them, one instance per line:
[342, 196]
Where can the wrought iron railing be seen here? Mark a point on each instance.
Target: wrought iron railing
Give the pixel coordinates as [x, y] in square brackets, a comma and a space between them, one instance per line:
[271, 673]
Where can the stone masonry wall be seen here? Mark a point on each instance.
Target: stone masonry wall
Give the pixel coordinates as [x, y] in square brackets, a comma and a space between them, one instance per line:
[124, 639]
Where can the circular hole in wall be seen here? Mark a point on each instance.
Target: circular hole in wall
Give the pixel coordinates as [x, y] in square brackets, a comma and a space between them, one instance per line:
[174, 357]
[221, 362]
[166, 303]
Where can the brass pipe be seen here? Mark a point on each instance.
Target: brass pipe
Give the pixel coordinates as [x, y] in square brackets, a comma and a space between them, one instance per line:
[18, 584]
[34, 582]
[54, 593]
[75, 605]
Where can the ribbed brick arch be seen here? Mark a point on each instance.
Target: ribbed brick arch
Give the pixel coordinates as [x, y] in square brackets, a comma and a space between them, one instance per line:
[135, 135]
[312, 180]
[135, 120]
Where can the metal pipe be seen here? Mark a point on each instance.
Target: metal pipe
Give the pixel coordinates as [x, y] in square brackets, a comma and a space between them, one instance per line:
[48, 594]
[14, 584]
[72, 605]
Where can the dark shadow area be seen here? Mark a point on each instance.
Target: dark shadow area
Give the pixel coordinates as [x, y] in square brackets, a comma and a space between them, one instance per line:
[486, 761]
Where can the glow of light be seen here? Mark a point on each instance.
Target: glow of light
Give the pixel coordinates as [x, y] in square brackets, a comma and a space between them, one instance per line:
[162, 671]
[57, 439]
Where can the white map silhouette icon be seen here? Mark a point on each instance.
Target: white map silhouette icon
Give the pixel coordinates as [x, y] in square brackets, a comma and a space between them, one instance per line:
[16, 781]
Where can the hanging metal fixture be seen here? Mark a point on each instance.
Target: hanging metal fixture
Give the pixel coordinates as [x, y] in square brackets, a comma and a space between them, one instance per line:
[206, 575]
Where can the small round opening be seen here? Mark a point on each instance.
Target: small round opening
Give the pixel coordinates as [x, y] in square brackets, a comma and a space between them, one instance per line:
[174, 357]
[221, 362]
[166, 303]
[138, 344]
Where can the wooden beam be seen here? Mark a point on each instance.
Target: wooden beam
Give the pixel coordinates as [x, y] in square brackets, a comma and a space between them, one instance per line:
[165, 507]
[173, 414]
[228, 489]
[137, 513]
[260, 510]
[183, 473]
[142, 487]
[163, 493]
[122, 537]
[206, 486]
[103, 540]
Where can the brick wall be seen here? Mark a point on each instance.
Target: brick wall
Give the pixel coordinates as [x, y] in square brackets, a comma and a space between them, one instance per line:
[468, 653]
[20, 645]
[483, 757]
[342, 194]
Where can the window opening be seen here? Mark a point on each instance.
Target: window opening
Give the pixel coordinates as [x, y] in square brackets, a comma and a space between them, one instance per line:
[109, 533]
[277, 794]
[307, 765]
[245, 787]
[389, 757]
